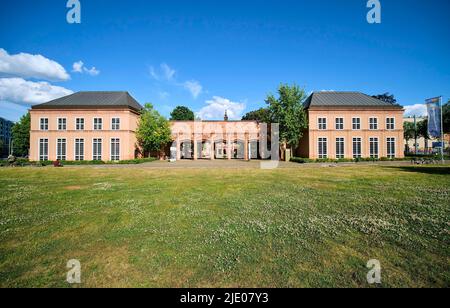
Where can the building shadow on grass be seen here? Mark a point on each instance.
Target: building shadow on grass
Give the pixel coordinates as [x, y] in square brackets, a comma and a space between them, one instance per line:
[438, 170]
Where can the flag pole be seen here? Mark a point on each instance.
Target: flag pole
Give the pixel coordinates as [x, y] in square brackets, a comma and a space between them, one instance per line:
[442, 131]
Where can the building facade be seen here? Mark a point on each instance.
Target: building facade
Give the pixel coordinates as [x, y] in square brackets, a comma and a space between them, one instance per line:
[5, 136]
[351, 125]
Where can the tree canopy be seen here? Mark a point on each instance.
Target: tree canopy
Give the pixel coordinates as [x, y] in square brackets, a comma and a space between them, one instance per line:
[386, 97]
[261, 115]
[153, 131]
[446, 117]
[409, 131]
[182, 113]
[21, 136]
[287, 110]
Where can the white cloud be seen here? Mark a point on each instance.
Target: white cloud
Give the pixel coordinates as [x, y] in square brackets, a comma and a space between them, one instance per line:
[78, 67]
[22, 92]
[31, 66]
[165, 72]
[419, 110]
[217, 106]
[194, 87]
[163, 95]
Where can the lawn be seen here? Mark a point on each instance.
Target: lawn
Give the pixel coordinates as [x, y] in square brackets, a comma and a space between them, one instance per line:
[304, 227]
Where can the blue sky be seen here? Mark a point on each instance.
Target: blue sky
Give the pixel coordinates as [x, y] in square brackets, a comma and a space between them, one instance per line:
[209, 55]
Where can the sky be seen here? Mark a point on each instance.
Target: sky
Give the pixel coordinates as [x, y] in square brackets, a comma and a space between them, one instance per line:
[215, 55]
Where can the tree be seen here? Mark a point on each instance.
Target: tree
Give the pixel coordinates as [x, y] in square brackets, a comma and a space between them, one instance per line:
[409, 131]
[261, 115]
[182, 113]
[386, 97]
[287, 110]
[153, 132]
[21, 136]
[446, 117]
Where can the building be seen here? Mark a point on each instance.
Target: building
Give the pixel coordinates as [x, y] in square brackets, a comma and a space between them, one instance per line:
[424, 146]
[351, 125]
[5, 136]
[85, 126]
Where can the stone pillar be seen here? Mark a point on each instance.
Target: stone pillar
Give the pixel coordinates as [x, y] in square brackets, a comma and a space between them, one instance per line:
[246, 156]
[195, 148]
[229, 147]
[178, 148]
[212, 150]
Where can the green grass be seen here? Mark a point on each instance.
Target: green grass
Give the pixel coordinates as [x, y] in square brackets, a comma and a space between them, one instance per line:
[305, 227]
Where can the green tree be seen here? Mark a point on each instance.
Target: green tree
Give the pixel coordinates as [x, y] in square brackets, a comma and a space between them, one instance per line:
[261, 115]
[446, 116]
[387, 98]
[287, 110]
[153, 132]
[182, 113]
[409, 131]
[21, 136]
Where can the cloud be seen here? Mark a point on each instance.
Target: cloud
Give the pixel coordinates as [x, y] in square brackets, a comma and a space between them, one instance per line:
[31, 66]
[419, 110]
[165, 72]
[217, 106]
[78, 67]
[22, 92]
[163, 95]
[168, 72]
[194, 87]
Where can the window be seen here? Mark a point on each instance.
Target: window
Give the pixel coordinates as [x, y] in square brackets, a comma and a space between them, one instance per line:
[61, 149]
[43, 149]
[115, 149]
[373, 123]
[340, 123]
[340, 148]
[115, 123]
[374, 148]
[97, 149]
[322, 123]
[357, 148]
[79, 124]
[391, 148]
[356, 123]
[98, 123]
[44, 124]
[79, 149]
[390, 123]
[62, 124]
[323, 150]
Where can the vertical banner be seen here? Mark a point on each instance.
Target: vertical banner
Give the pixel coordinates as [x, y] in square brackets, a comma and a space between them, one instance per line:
[434, 117]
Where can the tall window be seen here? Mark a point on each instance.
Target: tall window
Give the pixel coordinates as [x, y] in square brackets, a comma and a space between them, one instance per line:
[390, 123]
[323, 148]
[43, 149]
[391, 148]
[98, 123]
[97, 149]
[115, 149]
[356, 123]
[322, 122]
[61, 149]
[62, 124]
[115, 123]
[374, 148]
[340, 148]
[340, 123]
[79, 124]
[357, 148]
[79, 149]
[373, 123]
[44, 124]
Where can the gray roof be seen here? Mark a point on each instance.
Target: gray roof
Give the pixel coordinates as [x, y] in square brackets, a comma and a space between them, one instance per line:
[344, 99]
[96, 99]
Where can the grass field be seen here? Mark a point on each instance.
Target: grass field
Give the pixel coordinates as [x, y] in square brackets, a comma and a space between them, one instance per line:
[305, 227]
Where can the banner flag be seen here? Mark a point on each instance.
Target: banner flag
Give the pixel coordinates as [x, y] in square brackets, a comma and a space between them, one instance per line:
[434, 117]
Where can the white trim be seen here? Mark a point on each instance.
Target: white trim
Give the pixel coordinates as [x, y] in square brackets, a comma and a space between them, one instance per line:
[378, 123]
[395, 123]
[378, 147]
[39, 149]
[395, 147]
[93, 123]
[57, 138]
[120, 123]
[84, 124]
[353, 147]
[326, 122]
[327, 155]
[75, 148]
[57, 124]
[360, 125]
[48, 125]
[335, 144]
[101, 154]
[110, 152]
[343, 123]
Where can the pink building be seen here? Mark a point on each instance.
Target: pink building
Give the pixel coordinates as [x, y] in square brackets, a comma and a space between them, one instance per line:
[351, 125]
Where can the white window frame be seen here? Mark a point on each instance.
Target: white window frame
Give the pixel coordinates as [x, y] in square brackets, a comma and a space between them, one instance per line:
[389, 142]
[95, 126]
[46, 125]
[79, 157]
[324, 154]
[116, 155]
[97, 157]
[320, 125]
[115, 126]
[372, 141]
[61, 156]
[358, 124]
[375, 124]
[341, 140]
[390, 125]
[357, 155]
[77, 125]
[58, 125]
[340, 126]
[42, 156]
